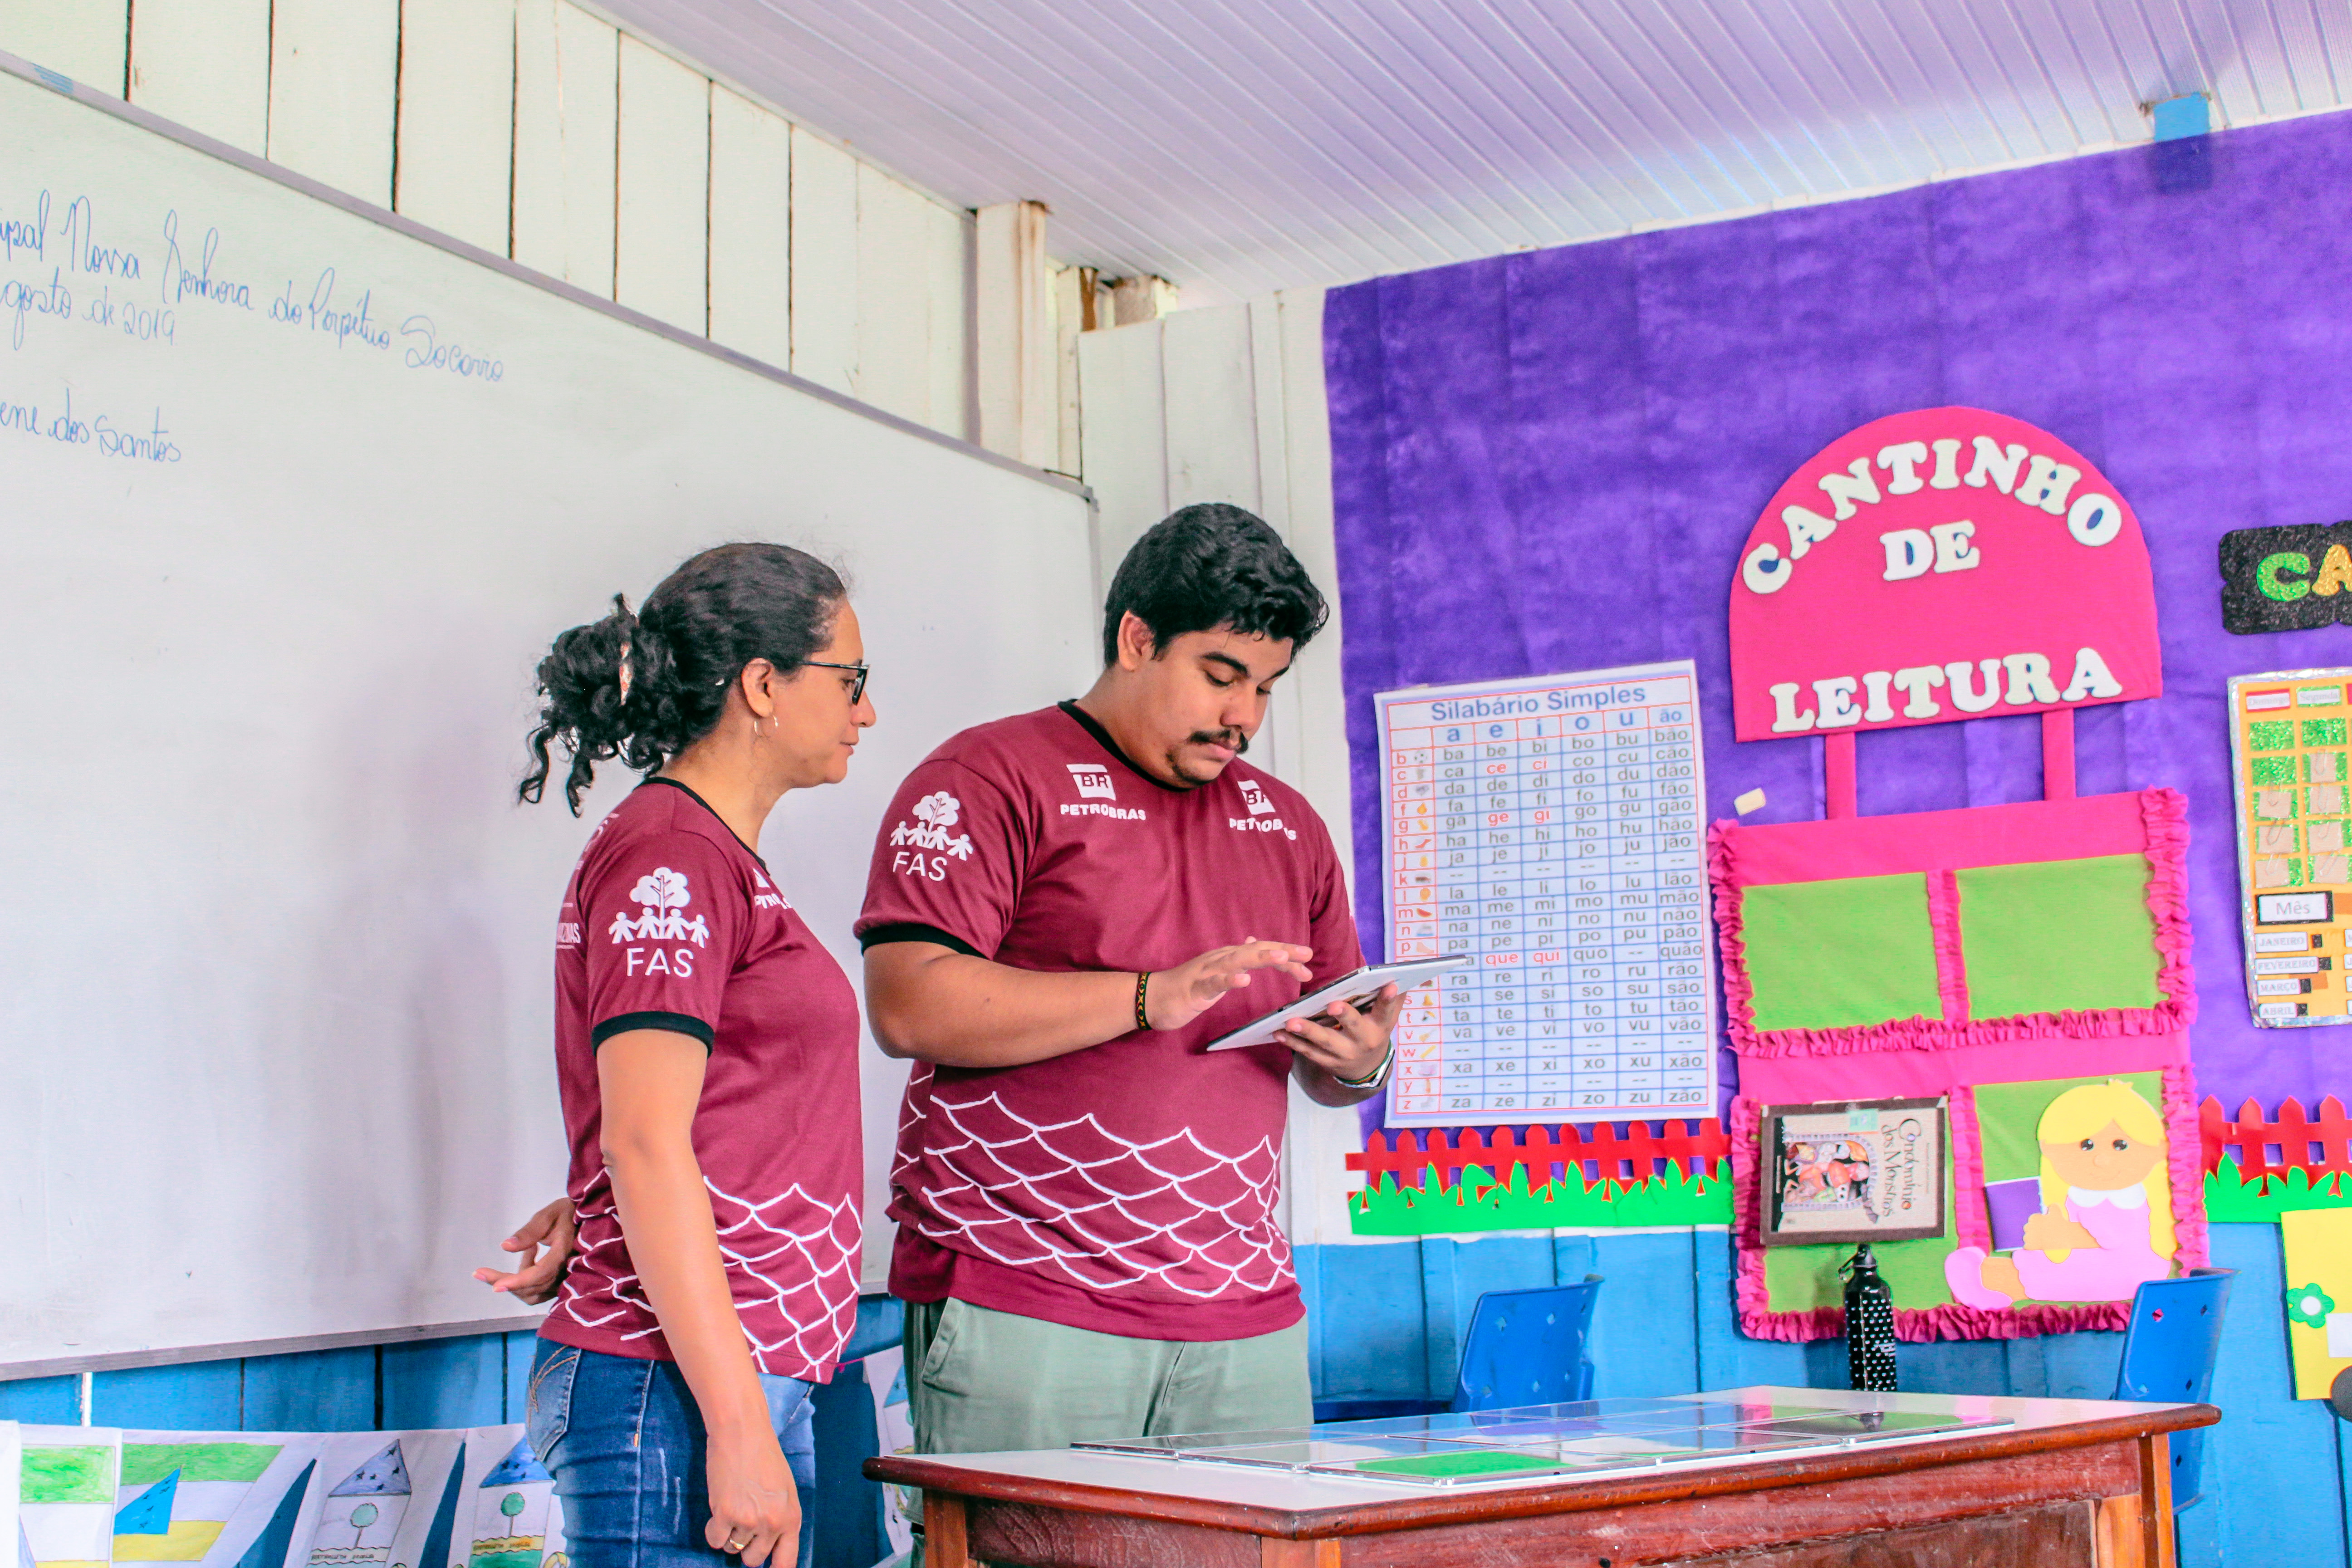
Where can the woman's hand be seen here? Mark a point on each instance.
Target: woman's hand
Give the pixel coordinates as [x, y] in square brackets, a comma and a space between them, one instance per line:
[2048, 1231]
[557, 1228]
[755, 1510]
[1177, 997]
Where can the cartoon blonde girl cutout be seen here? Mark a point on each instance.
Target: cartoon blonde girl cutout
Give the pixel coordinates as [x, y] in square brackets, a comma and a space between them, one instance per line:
[2105, 1224]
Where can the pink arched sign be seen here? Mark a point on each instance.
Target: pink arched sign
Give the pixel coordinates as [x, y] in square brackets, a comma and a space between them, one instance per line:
[1944, 563]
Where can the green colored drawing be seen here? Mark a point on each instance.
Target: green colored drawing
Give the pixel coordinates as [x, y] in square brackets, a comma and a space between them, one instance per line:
[2323, 732]
[1843, 953]
[2230, 1198]
[526, 1557]
[2271, 734]
[2274, 769]
[145, 1463]
[68, 1474]
[1476, 1462]
[1478, 1203]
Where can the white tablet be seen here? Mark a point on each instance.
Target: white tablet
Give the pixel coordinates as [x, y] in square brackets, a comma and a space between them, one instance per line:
[1357, 990]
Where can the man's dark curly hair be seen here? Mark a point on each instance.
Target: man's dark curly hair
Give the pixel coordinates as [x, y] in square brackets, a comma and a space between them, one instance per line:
[1213, 565]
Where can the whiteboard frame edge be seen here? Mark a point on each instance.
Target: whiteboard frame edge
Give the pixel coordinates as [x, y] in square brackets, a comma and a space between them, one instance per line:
[236, 1350]
[277, 173]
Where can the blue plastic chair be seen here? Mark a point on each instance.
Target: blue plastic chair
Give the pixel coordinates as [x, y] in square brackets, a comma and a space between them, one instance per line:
[2169, 1352]
[1524, 1347]
[1528, 1347]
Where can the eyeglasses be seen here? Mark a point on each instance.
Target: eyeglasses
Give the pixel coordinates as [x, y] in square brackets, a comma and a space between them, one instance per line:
[857, 686]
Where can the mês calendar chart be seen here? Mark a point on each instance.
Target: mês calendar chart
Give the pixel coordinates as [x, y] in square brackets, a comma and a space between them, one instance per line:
[1550, 827]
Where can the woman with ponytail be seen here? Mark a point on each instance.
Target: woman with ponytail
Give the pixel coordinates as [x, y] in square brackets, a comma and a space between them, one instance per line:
[706, 1054]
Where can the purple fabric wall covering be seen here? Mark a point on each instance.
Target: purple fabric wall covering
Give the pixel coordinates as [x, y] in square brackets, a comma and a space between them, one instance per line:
[1548, 461]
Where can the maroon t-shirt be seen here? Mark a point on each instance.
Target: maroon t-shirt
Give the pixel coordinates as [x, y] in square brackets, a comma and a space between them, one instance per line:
[1129, 1187]
[670, 922]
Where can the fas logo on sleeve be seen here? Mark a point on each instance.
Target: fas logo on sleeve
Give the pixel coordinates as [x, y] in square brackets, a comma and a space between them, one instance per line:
[664, 895]
[933, 815]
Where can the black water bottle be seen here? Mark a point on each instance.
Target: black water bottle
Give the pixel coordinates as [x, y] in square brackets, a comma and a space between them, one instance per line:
[1869, 1324]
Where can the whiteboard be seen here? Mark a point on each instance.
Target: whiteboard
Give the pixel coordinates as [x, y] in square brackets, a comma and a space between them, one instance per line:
[275, 1037]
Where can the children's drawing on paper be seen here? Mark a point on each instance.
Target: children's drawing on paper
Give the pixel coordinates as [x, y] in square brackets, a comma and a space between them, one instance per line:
[67, 1478]
[362, 1511]
[176, 1496]
[515, 1512]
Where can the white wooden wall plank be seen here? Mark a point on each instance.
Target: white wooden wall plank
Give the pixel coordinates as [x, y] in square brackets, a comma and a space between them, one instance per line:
[1018, 385]
[205, 63]
[1266, 403]
[894, 317]
[948, 257]
[87, 40]
[1125, 434]
[1069, 312]
[661, 232]
[1212, 414]
[824, 263]
[456, 167]
[750, 228]
[335, 67]
[567, 97]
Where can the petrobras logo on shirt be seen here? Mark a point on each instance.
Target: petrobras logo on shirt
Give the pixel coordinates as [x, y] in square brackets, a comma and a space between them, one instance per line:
[1258, 820]
[1093, 808]
[1093, 781]
[663, 894]
[766, 897]
[933, 815]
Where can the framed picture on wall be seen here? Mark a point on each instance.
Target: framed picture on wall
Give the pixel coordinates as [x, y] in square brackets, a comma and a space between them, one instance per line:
[1863, 1170]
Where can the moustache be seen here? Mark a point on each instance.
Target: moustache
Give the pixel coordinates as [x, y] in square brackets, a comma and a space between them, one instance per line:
[1233, 740]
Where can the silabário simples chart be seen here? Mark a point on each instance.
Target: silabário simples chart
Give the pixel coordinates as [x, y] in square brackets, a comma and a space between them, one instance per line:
[1550, 828]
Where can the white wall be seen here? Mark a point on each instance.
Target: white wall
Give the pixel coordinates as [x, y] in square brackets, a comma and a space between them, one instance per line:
[536, 129]
[1225, 404]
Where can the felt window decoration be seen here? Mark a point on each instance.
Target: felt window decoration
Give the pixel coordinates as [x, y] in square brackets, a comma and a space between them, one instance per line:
[2058, 936]
[1841, 953]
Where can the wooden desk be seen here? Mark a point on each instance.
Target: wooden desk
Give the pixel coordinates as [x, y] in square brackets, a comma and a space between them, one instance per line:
[2074, 1481]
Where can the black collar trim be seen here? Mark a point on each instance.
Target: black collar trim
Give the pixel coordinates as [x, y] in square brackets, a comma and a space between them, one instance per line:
[1102, 738]
[689, 792]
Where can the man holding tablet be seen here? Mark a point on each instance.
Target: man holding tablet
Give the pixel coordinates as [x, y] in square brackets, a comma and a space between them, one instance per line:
[1064, 907]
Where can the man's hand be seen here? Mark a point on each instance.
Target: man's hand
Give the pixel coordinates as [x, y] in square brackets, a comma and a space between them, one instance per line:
[555, 1227]
[1344, 1042]
[1179, 995]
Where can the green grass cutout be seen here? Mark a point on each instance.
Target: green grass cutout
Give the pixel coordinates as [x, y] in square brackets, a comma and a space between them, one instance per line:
[1477, 1462]
[1478, 1203]
[2230, 1198]
[2271, 734]
[68, 1474]
[2323, 732]
[145, 1463]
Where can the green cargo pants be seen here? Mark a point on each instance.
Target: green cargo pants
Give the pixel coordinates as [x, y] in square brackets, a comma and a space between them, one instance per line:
[980, 1380]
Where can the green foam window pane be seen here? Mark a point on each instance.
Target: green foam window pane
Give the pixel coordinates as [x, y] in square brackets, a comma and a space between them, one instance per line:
[1843, 953]
[2323, 732]
[1477, 1462]
[2058, 935]
[2008, 1118]
[2273, 770]
[2271, 734]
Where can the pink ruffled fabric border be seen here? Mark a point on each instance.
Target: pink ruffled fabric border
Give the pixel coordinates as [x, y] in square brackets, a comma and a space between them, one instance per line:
[2164, 814]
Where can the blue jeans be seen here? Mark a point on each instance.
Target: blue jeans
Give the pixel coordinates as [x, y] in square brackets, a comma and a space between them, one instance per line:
[624, 1439]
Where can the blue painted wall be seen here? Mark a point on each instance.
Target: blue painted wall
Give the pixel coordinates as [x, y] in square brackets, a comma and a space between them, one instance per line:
[1386, 1321]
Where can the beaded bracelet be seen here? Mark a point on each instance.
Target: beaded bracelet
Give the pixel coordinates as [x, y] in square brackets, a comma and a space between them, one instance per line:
[1142, 984]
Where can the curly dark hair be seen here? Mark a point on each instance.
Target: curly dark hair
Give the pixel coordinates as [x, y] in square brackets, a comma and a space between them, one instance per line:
[1213, 565]
[681, 650]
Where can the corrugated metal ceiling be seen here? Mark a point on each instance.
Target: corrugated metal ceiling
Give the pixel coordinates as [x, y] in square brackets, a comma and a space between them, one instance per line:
[1236, 147]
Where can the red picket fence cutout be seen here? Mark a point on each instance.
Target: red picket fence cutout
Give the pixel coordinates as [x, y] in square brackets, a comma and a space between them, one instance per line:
[2317, 1145]
[1602, 1151]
